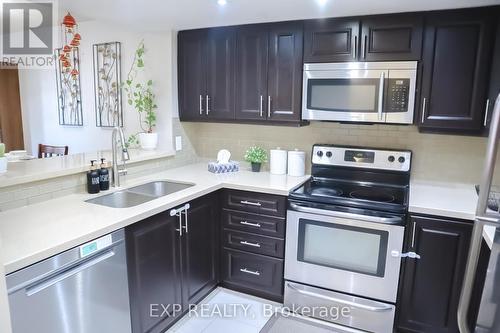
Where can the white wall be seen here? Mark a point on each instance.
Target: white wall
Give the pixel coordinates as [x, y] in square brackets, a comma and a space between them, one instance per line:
[39, 93]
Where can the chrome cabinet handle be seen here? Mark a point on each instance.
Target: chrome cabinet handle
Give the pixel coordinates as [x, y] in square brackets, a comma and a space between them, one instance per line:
[185, 212]
[178, 212]
[423, 110]
[413, 235]
[412, 255]
[355, 47]
[257, 225]
[261, 105]
[363, 51]
[207, 104]
[381, 95]
[249, 244]
[201, 105]
[245, 270]
[180, 223]
[341, 301]
[250, 203]
[268, 106]
[486, 113]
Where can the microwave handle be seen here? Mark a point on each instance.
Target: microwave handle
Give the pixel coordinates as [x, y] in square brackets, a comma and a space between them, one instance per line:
[381, 96]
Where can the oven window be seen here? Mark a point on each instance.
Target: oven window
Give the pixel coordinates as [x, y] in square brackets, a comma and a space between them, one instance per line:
[343, 95]
[348, 248]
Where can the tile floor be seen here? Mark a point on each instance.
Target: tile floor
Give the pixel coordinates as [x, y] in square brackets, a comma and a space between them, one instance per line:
[226, 311]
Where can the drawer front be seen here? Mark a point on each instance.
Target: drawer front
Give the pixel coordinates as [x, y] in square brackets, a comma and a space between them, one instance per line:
[254, 243]
[253, 271]
[253, 202]
[257, 224]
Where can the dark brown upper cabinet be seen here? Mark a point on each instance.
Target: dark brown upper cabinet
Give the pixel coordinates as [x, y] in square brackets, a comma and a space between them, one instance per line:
[375, 38]
[456, 70]
[206, 71]
[494, 89]
[269, 66]
[391, 37]
[251, 66]
[192, 74]
[331, 40]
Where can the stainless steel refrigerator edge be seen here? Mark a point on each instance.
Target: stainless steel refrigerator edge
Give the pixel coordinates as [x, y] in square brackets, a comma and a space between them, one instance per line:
[483, 217]
[82, 290]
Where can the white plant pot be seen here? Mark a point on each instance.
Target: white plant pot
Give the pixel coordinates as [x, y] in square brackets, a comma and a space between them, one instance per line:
[3, 164]
[148, 141]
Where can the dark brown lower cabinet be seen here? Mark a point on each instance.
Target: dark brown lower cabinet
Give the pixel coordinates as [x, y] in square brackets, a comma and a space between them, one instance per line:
[430, 286]
[169, 271]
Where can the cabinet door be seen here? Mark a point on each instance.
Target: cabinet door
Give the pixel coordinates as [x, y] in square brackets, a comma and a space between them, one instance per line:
[192, 74]
[432, 284]
[154, 272]
[494, 89]
[200, 249]
[331, 40]
[251, 66]
[456, 64]
[221, 46]
[391, 38]
[285, 72]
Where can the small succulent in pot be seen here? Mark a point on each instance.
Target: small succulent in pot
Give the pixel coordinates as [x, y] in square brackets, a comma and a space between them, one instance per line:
[256, 156]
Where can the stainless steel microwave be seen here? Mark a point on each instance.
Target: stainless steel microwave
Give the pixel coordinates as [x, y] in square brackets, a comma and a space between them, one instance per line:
[367, 92]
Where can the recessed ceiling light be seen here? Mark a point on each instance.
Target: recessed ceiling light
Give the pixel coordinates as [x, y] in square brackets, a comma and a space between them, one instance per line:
[322, 2]
[222, 2]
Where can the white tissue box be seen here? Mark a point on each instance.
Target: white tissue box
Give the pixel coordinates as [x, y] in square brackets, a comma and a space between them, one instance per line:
[230, 166]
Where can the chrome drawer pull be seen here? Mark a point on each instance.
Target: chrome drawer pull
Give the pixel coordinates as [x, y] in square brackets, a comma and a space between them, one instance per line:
[257, 225]
[249, 244]
[245, 202]
[244, 270]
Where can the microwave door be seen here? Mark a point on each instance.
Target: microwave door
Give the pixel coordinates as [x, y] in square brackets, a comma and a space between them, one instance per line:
[354, 95]
[399, 100]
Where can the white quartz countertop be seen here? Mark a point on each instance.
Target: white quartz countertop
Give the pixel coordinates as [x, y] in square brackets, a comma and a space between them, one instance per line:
[36, 232]
[19, 172]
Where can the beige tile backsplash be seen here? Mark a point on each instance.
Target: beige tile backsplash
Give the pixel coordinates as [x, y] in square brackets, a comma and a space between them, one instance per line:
[436, 157]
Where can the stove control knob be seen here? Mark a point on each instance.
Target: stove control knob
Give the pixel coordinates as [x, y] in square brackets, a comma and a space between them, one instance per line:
[329, 154]
[319, 153]
[401, 159]
[391, 158]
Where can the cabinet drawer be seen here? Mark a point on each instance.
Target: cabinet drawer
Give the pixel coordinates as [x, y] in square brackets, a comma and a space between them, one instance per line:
[253, 271]
[257, 224]
[253, 202]
[254, 243]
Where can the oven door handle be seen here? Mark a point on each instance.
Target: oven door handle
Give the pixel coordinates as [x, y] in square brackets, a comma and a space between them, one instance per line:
[376, 219]
[342, 301]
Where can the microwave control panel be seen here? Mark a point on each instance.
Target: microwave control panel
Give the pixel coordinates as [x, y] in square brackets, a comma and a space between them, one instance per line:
[398, 92]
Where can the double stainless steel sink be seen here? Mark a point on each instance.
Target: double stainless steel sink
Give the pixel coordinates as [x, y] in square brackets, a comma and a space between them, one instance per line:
[139, 194]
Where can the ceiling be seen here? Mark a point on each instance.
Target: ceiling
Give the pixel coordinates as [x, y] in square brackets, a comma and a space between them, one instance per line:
[159, 15]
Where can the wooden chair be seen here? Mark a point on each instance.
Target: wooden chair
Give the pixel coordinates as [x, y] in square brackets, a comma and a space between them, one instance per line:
[50, 151]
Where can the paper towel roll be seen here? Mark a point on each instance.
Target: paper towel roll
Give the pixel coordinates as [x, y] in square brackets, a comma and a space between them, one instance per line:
[296, 163]
[278, 161]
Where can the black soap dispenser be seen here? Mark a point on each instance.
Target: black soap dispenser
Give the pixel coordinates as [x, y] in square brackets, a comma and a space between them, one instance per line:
[93, 179]
[103, 176]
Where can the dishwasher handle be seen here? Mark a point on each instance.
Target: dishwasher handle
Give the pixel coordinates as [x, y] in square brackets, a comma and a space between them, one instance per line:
[38, 286]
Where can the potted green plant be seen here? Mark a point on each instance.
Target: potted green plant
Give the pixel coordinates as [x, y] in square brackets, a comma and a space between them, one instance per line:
[3, 159]
[256, 156]
[140, 95]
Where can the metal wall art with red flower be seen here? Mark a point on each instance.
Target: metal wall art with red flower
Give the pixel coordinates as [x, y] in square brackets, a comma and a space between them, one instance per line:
[68, 74]
[107, 84]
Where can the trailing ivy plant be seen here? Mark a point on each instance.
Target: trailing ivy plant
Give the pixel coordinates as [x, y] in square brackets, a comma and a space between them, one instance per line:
[140, 95]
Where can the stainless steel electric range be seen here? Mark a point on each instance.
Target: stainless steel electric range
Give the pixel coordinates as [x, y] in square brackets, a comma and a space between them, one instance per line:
[344, 238]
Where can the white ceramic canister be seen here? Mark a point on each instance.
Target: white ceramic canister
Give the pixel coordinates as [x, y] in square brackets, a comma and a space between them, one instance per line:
[296, 163]
[278, 159]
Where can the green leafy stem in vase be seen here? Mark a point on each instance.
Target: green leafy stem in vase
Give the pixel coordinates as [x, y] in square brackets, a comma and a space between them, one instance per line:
[256, 155]
[140, 95]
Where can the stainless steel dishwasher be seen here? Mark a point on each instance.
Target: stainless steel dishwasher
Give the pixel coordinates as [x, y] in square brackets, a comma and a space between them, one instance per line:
[82, 290]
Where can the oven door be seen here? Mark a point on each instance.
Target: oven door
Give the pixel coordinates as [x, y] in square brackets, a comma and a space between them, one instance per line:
[343, 252]
[351, 95]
